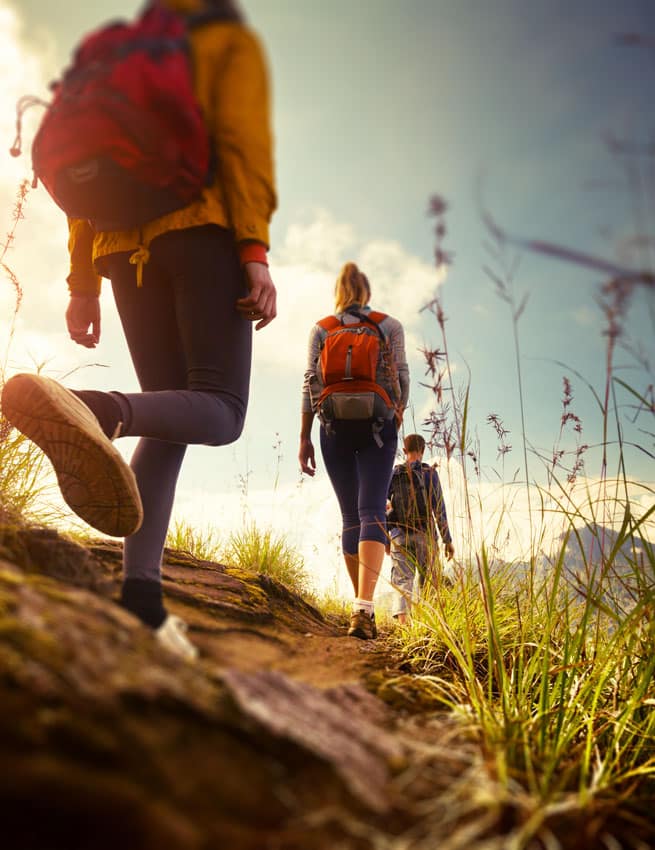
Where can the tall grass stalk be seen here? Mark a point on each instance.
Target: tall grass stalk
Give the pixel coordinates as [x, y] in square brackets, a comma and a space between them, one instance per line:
[504, 279]
[17, 216]
[449, 421]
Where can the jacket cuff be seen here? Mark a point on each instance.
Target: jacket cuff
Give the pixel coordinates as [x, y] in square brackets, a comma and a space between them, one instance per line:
[84, 283]
[252, 252]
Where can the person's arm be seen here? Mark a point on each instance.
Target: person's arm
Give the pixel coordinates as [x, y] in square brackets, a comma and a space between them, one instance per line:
[83, 311]
[237, 86]
[306, 452]
[400, 368]
[438, 507]
[306, 455]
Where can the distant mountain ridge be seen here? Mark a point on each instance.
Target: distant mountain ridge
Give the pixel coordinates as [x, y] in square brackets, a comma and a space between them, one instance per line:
[615, 569]
[592, 544]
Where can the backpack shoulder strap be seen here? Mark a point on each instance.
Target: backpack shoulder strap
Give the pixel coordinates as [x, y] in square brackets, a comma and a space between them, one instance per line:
[372, 318]
[329, 323]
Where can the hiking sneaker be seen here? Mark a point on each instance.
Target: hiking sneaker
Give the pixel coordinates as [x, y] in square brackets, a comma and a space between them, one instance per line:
[94, 480]
[172, 635]
[362, 626]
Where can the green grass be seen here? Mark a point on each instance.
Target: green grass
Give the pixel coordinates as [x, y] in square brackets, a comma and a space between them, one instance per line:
[255, 549]
[559, 684]
[201, 543]
[263, 550]
[22, 487]
[552, 663]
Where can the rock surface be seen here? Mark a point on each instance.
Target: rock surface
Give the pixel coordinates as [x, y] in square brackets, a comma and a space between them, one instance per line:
[109, 741]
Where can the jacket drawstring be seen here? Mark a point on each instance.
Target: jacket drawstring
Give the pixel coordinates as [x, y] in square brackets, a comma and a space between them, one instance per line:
[139, 258]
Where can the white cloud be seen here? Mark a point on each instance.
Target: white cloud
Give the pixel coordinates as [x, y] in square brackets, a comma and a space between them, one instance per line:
[24, 70]
[320, 243]
[38, 257]
[305, 269]
[402, 284]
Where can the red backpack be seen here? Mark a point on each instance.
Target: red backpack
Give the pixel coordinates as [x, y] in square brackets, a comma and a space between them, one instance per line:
[123, 140]
[352, 357]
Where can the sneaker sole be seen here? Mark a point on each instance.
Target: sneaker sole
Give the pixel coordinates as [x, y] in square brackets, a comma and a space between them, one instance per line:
[93, 477]
[361, 634]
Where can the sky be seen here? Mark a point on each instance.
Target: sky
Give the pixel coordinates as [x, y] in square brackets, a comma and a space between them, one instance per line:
[506, 106]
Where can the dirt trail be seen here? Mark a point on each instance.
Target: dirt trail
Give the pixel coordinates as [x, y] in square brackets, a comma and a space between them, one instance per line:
[270, 631]
[320, 660]
[320, 655]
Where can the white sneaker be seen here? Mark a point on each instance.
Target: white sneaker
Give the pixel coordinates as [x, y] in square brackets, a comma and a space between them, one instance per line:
[172, 635]
[93, 478]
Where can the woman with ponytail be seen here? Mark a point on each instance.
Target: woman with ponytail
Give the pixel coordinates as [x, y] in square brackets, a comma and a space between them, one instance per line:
[359, 419]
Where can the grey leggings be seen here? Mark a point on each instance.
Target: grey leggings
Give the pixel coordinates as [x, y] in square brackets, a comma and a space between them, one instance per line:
[191, 352]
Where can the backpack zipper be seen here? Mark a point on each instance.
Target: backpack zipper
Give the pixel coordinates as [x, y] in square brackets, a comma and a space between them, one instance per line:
[349, 356]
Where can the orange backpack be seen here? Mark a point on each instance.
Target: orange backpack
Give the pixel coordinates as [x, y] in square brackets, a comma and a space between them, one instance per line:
[350, 360]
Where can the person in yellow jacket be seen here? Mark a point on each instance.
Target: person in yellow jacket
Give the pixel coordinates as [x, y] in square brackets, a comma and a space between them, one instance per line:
[188, 287]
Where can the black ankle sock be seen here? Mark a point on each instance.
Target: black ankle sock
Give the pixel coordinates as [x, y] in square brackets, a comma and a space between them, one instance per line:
[104, 407]
[143, 598]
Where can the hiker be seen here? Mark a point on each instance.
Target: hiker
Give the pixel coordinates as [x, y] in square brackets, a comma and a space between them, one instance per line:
[417, 508]
[357, 383]
[188, 286]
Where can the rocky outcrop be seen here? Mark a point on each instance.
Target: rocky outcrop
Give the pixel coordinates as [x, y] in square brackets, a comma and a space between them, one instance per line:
[109, 741]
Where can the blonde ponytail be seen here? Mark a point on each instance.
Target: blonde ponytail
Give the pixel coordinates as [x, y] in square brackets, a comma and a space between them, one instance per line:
[352, 287]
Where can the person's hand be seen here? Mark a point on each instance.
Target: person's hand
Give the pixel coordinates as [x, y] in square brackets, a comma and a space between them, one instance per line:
[398, 416]
[260, 305]
[306, 456]
[83, 312]
[449, 550]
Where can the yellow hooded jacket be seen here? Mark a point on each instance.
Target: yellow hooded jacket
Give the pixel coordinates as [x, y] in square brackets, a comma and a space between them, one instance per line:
[231, 83]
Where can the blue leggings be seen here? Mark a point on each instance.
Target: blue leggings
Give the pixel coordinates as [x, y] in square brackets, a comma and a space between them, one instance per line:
[191, 351]
[360, 472]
